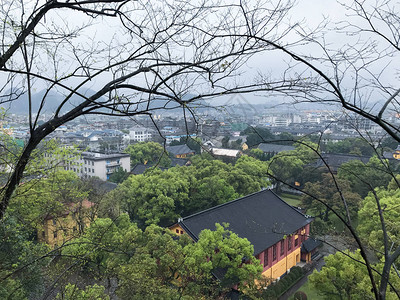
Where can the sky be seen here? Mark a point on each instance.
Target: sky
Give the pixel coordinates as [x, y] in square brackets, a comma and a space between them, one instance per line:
[103, 31]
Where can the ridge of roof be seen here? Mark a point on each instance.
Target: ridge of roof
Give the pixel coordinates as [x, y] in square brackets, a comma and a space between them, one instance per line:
[188, 231]
[234, 201]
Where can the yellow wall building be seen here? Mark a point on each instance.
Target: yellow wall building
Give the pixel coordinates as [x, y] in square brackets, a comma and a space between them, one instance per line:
[56, 230]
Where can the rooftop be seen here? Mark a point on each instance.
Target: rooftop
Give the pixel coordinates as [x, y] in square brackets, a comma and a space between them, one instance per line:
[263, 218]
[225, 152]
[102, 156]
[179, 149]
[274, 148]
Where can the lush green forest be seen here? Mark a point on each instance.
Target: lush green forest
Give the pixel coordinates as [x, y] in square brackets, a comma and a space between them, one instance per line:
[128, 250]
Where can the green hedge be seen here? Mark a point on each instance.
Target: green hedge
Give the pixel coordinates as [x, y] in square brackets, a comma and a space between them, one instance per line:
[274, 291]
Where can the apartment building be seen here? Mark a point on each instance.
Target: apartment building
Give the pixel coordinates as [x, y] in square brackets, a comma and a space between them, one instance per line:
[140, 134]
[93, 164]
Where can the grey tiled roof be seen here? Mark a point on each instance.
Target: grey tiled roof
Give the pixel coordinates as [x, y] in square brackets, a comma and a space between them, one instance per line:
[274, 148]
[263, 218]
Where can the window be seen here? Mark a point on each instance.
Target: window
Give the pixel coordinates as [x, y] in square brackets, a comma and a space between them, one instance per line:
[266, 258]
[289, 243]
[274, 252]
[282, 247]
[55, 234]
[177, 230]
[92, 170]
[181, 231]
[296, 242]
[54, 222]
[92, 163]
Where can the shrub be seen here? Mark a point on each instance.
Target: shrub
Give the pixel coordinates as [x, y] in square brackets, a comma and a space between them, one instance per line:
[277, 289]
[299, 295]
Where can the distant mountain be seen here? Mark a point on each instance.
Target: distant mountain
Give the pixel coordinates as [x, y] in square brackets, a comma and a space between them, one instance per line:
[51, 103]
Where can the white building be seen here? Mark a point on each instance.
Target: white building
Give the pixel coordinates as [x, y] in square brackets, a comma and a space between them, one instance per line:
[140, 134]
[92, 164]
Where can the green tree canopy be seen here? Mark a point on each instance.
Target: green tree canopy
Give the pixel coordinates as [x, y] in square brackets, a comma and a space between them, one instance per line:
[20, 263]
[345, 277]
[148, 153]
[161, 197]
[72, 292]
[287, 166]
[36, 199]
[358, 146]
[327, 192]
[370, 227]
[119, 176]
[157, 197]
[365, 177]
[257, 135]
[153, 264]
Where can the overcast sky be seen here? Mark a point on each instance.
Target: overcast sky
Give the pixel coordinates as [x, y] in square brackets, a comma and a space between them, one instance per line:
[310, 13]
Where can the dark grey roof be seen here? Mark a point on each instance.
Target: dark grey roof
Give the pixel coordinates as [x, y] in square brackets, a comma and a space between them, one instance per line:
[263, 218]
[274, 148]
[388, 155]
[179, 161]
[139, 169]
[334, 161]
[310, 244]
[179, 149]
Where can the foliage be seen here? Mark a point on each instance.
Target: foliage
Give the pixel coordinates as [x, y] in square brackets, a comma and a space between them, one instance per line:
[154, 198]
[343, 277]
[358, 146]
[161, 197]
[225, 141]
[257, 135]
[72, 292]
[365, 177]
[259, 154]
[20, 268]
[288, 166]
[327, 192]
[119, 176]
[285, 138]
[148, 153]
[300, 295]
[370, 228]
[224, 250]
[153, 264]
[275, 290]
[285, 167]
[46, 196]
